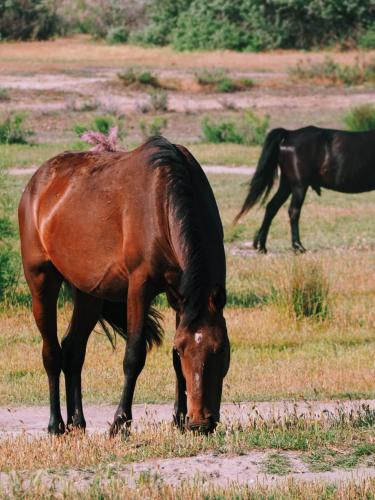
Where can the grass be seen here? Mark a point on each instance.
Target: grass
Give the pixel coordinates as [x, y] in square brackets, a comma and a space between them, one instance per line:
[360, 118]
[277, 463]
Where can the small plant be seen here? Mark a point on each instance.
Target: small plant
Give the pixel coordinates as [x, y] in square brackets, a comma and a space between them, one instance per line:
[155, 127]
[361, 118]
[308, 291]
[4, 94]
[218, 81]
[12, 130]
[102, 124]
[276, 463]
[158, 100]
[224, 131]
[255, 128]
[73, 104]
[117, 34]
[133, 77]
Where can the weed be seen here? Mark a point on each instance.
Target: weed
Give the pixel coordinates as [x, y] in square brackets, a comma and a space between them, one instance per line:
[76, 105]
[117, 34]
[4, 94]
[158, 99]
[361, 118]
[102, 124]
[156, 126]
[12, 130]
[224, 131]
[217, 80]
[135, 77]
[276, 463]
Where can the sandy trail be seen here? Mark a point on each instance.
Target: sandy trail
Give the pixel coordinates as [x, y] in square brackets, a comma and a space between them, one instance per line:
[209, 169]
[32, 420]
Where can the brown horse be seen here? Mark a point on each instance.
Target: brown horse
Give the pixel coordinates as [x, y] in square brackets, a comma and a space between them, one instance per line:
[122, 228]
[311, 156]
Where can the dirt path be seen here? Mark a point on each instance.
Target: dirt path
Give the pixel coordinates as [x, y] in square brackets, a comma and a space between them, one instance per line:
[209, 169]
[33, 419]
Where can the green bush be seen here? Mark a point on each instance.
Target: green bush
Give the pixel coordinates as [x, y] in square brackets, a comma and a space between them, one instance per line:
[131, 76]
[361, 118]
[255, 24]
[156, 126]
[367, 39]
[249, 129]
[117, 34]
[29, 20]
[217, 80]
[12, 130]
[101, 123]
[330, 71]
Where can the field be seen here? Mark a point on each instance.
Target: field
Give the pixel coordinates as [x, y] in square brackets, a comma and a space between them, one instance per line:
[277, 354]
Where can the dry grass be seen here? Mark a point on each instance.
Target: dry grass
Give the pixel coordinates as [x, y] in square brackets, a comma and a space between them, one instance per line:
[80, 53]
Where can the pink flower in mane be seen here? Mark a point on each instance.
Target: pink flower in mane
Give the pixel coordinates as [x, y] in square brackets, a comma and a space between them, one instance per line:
[102, 142]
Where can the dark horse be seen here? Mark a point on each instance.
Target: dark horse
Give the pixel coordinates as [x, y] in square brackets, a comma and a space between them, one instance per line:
[121, 228]
[310, 156]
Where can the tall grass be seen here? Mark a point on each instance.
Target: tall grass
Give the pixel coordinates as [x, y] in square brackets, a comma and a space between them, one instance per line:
[12, 130]
[361, 118]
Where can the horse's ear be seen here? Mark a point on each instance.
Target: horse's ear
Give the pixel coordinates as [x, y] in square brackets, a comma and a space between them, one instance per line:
[217, 298]
[174, 299]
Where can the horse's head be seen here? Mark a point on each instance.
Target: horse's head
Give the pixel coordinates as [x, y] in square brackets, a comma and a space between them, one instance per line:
[203, 350]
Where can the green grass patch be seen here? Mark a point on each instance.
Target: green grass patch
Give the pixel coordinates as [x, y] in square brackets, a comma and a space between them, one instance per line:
[360, 118]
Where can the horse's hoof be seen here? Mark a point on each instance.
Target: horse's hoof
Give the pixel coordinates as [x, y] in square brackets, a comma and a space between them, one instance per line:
[262, 250]
[120, 424]
[56, 428]
[299, 248]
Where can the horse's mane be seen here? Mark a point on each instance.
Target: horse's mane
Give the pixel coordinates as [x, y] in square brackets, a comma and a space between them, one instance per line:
[193, 287]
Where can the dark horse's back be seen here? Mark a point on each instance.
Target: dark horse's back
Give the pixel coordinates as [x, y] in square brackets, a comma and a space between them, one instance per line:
[333, 159]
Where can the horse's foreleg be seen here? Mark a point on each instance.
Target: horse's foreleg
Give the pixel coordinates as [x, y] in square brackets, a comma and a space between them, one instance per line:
[138, 305]
[44, 285]
[180, 405]
[85, 316]
[298, 197]
[272, 208]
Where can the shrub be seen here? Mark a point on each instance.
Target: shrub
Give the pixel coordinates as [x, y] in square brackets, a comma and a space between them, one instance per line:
[217, 80]
[249, 129]
[224, 131]
[305, 292]
[12, 130]
[158, 100]
[131, 76]
[29, 20]
[102, 124]
[156, 126]
[361, 118]
[117, 34]
[367, 39]
[4, 94]
[329, 71]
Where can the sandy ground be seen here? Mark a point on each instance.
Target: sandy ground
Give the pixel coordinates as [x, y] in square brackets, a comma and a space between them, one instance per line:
[211, 468]
[209, 169]
[33, 420]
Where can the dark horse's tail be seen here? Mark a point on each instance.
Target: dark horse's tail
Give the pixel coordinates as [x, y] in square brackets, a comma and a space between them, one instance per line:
[265, 173]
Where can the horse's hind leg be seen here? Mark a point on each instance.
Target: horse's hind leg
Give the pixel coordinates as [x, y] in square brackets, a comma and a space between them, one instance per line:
[298, 197]
[45, 282]
[272, 208]
[85, 316]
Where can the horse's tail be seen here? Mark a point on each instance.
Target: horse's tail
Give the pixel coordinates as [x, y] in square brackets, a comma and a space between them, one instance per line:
[265, 173]
[112, 320]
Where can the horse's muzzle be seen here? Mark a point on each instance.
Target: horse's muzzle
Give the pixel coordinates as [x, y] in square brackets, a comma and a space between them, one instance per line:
[205, 426]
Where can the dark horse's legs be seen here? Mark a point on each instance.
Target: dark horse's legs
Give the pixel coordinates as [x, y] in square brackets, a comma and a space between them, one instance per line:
[45, 282]
[180, 405]
[298, 197]
[138, 305]
[271, 210]
[85, 316]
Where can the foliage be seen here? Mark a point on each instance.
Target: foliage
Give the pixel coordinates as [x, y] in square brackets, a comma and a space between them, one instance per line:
[250, 129]
[102, 124]
[361, 118]
[156, 126]
[134, 77]
[158, 99]
[367, 39]
[29, 19]
[329, 71]
[117, 34]
[218, 80]
[110, 19]
[256, 25]
[12, 130]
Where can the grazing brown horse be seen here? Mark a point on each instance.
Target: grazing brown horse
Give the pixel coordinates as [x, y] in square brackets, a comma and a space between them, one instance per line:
[122, 228]
[310, 156]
